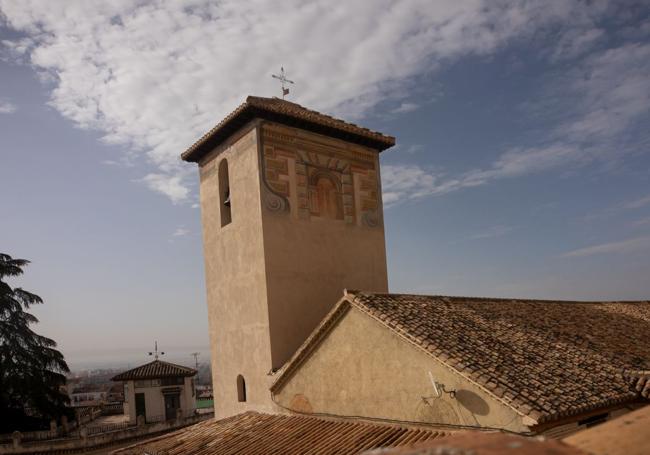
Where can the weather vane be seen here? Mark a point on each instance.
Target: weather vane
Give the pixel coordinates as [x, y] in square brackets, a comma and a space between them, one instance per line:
[283, 80]
[155, 352]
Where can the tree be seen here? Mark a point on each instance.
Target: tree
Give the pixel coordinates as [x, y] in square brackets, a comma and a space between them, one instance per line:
[32, 371]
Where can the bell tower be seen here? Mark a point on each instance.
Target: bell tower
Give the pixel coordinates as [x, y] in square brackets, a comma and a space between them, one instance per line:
[292, 215]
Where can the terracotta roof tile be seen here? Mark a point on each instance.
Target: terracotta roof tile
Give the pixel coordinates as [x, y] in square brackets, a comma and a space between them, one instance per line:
[155, 369]
[475, 443]
[255, 433]
[288, 113]
[639, 381]
[553, 358]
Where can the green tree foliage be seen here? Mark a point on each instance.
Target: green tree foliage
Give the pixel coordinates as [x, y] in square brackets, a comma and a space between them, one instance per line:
[32, 371]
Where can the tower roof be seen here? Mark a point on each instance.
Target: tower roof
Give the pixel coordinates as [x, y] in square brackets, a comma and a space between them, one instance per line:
[154, 370]
[287, 113]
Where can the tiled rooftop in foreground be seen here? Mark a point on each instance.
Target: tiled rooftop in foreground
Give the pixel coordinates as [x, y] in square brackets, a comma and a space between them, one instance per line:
[255, 433]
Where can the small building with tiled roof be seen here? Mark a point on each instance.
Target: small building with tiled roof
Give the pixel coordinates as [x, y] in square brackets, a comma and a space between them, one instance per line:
[517, 365]
[158, 391]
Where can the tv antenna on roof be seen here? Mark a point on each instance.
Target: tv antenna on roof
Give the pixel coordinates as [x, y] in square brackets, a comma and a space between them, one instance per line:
[283, 80]
[155, 352]
[196, 359]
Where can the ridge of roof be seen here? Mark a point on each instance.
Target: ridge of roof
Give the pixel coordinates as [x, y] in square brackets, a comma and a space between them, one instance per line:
[287, 112]
[353, 293]
[154, 370]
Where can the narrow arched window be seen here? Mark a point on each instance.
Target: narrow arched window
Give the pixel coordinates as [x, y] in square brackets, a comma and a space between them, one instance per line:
[241, 389]
[224, 194]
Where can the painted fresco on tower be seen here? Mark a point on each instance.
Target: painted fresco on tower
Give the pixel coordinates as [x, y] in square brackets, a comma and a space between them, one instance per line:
[310, 176]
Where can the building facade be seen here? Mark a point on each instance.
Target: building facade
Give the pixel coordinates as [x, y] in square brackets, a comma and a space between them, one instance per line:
[158, 391]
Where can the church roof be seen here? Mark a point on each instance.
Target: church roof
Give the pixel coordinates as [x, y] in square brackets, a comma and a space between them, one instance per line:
[288, 113]
[154, 370]
[255, 433]
[546, 359]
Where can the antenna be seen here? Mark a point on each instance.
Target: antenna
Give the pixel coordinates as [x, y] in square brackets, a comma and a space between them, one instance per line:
[436, 391]
[155, 352]
[283, 80]
[196, 359]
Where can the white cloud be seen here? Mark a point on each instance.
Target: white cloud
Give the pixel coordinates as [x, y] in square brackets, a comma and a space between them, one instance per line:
[624, 246]
[169, 185]
[7, 108]
[155, 75]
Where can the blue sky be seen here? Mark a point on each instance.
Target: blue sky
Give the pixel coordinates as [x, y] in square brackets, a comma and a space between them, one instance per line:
[522, 167]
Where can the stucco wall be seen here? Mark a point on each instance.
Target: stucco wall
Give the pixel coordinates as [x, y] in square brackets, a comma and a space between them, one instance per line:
[235, 278]
[272, 273]
[363, 369]
[188, 401]
[155, 400]
[311, 259]
[129, 401]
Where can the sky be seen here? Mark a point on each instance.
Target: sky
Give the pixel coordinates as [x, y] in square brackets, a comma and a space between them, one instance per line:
[522, 164]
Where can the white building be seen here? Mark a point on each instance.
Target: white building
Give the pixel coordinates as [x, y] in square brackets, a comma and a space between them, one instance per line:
[158, 391]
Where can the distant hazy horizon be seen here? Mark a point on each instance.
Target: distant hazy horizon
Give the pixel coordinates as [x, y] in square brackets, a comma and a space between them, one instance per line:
[87, 359]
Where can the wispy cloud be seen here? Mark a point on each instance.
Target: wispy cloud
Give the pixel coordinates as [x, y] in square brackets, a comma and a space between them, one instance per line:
[404, 108]
[154, 76]
[604, 99]
[641, 222]
[492, 232]
[623, 246]
[409, 182]
[7, 108]
[180, 232]
[638, 203]
[169, 185]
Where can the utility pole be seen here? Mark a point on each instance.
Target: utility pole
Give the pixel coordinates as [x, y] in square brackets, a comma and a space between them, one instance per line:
[196, 359]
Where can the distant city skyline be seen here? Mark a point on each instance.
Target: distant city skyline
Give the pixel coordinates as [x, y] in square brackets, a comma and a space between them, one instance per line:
[522, 165]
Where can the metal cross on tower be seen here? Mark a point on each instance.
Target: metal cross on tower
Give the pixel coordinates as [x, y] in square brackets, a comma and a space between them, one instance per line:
[283, 80]
[155, 352]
